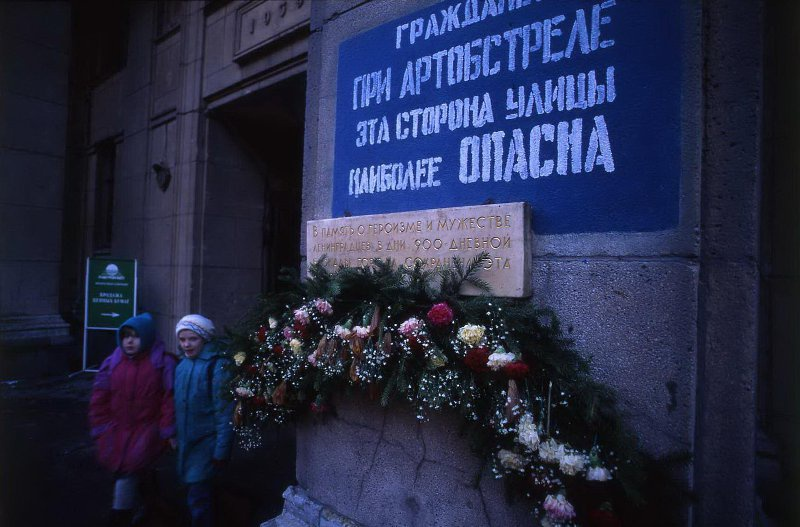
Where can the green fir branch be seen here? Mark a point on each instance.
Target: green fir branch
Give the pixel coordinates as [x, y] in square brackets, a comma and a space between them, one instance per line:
[590, 416]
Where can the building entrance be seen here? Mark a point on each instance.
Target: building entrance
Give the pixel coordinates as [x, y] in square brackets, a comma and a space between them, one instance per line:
[253, 194]
[251, 229]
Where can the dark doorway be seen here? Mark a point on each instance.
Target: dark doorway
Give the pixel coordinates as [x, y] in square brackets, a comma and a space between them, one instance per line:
[251, 229]
[777, 453]
[268, 125]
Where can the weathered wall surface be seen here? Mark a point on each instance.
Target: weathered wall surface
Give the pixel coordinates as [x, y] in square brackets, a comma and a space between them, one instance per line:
[34, 61]
[380, 466]
[136, 109]
[659, 312]
[728, 292]
[198, 241]
[236, 56]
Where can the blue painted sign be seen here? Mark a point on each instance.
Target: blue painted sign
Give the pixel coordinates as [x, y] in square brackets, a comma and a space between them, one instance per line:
[571, 105]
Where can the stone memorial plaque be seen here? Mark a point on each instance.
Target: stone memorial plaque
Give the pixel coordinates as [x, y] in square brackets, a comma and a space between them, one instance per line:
[433, 237]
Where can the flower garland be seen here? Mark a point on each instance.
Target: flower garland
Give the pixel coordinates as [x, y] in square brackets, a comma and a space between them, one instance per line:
[502, 363]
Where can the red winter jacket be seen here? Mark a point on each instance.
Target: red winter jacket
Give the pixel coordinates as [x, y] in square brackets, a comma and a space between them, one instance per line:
[131, 411]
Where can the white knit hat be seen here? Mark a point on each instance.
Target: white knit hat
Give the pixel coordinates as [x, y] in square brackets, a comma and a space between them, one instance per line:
[197, 323]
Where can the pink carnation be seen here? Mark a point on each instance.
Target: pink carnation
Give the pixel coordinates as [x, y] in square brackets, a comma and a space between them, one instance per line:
[323, 306]
[288, 333]
[558, 508]
[410, 326]
[342, 332]
[361, 331]
[440, 314]
[301, 316]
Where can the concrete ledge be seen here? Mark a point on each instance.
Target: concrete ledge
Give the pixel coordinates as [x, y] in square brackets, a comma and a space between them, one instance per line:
[36, 328]
[300, 510]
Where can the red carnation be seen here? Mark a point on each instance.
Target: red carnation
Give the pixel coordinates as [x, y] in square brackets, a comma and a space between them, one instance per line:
[277, 349]
[262, 333]
[477, 358]
[440, 314]
[301, 329]
[258, 400]
[319, 408]
[604, 517]
[516, 370]
[416, 343]
[252, 369]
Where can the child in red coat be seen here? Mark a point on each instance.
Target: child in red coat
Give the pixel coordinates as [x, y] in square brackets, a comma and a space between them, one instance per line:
[131, 411]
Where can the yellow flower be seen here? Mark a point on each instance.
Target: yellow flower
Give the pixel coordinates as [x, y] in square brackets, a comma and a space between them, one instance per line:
[471, 334]
[297, 346]
[239, 358]
[512, 461]
[437, 359]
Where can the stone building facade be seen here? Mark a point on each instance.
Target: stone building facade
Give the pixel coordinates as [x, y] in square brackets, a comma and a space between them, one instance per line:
[198, 137]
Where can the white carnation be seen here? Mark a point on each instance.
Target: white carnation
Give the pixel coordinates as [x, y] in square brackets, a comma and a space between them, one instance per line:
[571, 464]
[499, 359]
[526, 432]
[598, 474]
[550, 451]
[243, 392]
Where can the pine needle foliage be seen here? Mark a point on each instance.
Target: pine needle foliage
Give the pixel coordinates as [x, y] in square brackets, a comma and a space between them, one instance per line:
[309, 351]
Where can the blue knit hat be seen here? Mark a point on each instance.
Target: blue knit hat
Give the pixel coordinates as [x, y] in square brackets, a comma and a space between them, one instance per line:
[145, 329]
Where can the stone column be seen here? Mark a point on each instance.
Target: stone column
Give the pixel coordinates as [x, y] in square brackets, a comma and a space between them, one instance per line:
[189, 172]
[34, 62]
[729, 289]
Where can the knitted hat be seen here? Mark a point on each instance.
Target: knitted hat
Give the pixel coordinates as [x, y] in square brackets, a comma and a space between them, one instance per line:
[197, 323]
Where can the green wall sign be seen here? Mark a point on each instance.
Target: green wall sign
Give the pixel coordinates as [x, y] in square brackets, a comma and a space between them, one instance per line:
[110, 292]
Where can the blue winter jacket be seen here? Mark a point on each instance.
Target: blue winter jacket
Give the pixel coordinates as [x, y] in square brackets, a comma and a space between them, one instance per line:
[202, 414]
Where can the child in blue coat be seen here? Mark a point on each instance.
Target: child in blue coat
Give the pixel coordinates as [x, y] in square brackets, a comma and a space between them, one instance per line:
[202, 413]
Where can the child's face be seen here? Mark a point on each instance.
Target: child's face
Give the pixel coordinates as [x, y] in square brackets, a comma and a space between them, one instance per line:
[131, 343]
[191, 343]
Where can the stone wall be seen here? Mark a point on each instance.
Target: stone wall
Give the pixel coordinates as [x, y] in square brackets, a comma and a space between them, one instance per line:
[198, 241]
[381, 466]
[649, 308]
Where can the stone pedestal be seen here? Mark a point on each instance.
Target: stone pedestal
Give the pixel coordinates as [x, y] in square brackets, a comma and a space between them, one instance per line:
[301, 510]
[373, 466]
[44, 329]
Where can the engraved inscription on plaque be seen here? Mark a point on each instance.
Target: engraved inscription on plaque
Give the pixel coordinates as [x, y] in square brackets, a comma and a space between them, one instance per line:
[432, 238]
[259, 23]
